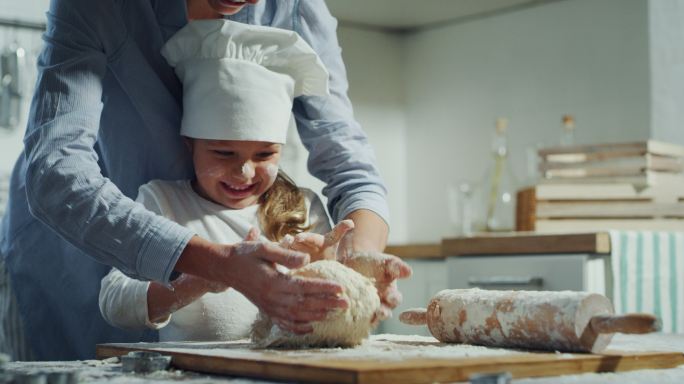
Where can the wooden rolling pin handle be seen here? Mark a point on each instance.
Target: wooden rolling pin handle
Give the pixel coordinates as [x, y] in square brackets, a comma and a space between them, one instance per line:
[628, 323]
[414, 316]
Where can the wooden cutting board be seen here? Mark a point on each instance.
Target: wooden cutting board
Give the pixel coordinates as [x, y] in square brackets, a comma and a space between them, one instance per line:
[388, 359]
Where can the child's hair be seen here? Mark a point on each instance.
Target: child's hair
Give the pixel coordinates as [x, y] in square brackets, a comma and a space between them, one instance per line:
[282, 210]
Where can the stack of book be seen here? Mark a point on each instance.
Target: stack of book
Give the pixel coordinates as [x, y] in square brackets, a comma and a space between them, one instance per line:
[636, 186]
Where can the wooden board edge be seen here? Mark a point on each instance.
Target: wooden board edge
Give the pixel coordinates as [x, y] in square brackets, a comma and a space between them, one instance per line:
[415, 371]
[649, 146]
[531, 243]
[634, 146]
[521, 368]
[271, 370]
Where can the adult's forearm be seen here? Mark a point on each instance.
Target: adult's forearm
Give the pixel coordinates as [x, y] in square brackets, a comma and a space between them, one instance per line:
[201, 258]
[370, 231]
[195, 257]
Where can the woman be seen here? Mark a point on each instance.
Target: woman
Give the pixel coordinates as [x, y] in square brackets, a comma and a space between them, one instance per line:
[104, 120]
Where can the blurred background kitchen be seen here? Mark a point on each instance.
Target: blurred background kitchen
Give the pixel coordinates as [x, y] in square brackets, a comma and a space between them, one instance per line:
[462, 100]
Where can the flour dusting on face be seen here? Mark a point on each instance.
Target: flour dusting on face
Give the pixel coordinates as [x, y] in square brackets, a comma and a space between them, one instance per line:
[247, 171]
[209, 172]
[272, 172]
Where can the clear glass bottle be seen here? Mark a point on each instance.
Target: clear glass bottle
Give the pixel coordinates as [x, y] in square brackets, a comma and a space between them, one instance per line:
[460, 203]
[499, 185]
[567, 138]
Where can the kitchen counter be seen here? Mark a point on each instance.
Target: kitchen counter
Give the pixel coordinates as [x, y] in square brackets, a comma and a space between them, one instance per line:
[109, 370]
[416, 251]
[506, 243]
[514, 243]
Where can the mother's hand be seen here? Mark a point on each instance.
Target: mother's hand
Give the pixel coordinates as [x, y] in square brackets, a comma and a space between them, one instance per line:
[291, 301]
[250, 267]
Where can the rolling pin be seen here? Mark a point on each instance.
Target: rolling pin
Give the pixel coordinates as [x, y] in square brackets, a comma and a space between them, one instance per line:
[560, 321]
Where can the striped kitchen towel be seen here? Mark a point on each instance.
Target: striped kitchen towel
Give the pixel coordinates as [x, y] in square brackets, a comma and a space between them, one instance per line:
[648, 275]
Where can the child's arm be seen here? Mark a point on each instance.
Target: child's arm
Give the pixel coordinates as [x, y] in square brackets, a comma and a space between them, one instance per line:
[133, 304]
[162, 301]
[123, 301]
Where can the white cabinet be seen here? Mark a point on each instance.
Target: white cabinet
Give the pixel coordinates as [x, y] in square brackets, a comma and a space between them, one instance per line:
[576, 272]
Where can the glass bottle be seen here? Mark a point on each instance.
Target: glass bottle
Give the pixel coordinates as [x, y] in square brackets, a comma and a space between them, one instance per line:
[568, 131]
[460, 203]
[499, 185]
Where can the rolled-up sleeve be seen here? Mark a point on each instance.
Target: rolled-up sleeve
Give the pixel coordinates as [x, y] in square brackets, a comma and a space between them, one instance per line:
[64, 184]
[339, 152]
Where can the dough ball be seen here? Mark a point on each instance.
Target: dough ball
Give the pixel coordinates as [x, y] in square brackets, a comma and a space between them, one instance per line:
[342, 328]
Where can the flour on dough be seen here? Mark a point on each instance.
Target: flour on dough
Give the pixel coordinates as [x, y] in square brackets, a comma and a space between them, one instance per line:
[342, 328]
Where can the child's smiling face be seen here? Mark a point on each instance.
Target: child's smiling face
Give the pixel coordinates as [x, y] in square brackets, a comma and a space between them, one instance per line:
[234, 173]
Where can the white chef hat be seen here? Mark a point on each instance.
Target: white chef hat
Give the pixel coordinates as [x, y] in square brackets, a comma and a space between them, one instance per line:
[239, 80]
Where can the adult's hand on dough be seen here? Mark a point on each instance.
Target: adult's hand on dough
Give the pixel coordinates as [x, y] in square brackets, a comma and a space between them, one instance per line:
[292, 302]
[189, 281]
[384, 269]
[319, 247]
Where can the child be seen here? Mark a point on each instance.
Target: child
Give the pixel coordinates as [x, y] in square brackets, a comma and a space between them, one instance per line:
[238, 84]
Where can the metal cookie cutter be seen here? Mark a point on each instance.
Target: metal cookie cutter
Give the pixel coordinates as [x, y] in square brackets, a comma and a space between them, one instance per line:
[491, 378]
[144, 362]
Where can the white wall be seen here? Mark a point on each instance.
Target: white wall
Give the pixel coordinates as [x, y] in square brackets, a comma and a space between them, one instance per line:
[587, 58]
[376, 76]
[27, 10]
[666, 37]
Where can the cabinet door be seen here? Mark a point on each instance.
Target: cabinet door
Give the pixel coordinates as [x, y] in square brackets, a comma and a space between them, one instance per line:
[429, 277]
[527, 272]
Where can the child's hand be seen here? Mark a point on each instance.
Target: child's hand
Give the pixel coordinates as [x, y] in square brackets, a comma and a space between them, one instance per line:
[319, 247]
[385, 269]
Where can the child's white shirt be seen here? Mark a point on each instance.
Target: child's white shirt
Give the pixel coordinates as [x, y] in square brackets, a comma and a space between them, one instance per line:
[215, 316]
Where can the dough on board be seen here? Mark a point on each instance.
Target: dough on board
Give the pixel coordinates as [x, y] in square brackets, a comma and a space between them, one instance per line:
[342, 328]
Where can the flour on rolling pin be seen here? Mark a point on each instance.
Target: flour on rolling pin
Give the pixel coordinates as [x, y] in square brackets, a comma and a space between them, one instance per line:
[563, 321]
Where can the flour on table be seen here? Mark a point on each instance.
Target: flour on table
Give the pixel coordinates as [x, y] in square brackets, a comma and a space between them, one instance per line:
[384, 347]
[343, 327]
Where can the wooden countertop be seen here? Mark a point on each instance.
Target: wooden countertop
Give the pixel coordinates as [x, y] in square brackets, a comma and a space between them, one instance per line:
[528, 243]
[416, 251]
[511, 243]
